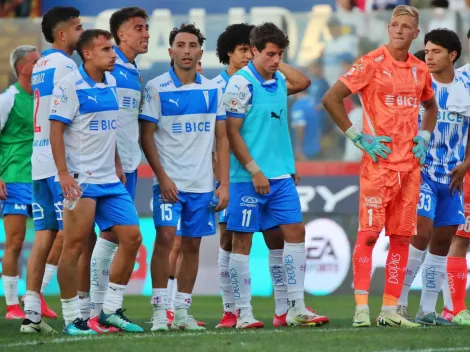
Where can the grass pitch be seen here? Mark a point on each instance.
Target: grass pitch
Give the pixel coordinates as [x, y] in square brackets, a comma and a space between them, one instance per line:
[336, 336]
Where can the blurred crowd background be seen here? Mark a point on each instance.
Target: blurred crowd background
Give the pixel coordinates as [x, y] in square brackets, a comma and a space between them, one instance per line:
[326, 38]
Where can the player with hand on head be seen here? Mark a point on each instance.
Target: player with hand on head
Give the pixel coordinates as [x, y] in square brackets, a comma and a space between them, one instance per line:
[61, 27]
[16, 139]
[263, 193]
[440, 209]
[455, 287]
[234, 50]
[129, 28]
[83, 138]
[189, 112]
[392, 83]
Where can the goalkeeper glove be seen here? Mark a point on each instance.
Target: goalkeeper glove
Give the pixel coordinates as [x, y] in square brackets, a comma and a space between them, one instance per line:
[421, 148]
[372, 145]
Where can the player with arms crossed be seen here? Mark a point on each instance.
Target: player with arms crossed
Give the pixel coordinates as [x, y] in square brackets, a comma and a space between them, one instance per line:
[130, 32]
[234, 50]
[263, 193]
[83, 139]
[16, 138]
[181, 114]
[391, 83]
[440, 209]
[455, 287]
[62, 27]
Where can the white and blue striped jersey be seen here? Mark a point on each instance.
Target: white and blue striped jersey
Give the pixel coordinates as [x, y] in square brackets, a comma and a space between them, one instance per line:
[449, 139]
[89, 110]
[186, 117]
[51, 67]
[222, 80]
[128, 82]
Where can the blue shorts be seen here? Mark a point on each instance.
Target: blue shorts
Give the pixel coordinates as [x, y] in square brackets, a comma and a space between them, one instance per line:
[437, 203]
[251, 212]
[223, 216]
[131, 183]
[191, 211]
[114, 205]
[47, 205]
[18, 199]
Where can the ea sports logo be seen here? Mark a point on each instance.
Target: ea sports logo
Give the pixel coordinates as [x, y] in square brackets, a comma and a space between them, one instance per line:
[328, 256]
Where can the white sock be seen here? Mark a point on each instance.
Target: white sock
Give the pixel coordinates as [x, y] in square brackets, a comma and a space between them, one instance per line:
[295, 266]
[32, 306]
[225, 283]
[159, 298]
[241, 280]
[182, 300]
[49, 273]
[415, 258]
[10, 286]
[85, 305]
[447, 295]
[169, 295]
[101, 259]
[433, 274]
[278, 276]
[113, 298]
[70, 309]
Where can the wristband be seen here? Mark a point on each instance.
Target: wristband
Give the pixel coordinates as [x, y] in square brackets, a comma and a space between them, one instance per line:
[353, 132]
[252, 167]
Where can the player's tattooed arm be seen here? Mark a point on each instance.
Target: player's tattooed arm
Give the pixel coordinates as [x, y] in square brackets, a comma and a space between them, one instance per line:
[168, 188]
[223, 163]
[296, 81]
[70, 188]
[241, 152]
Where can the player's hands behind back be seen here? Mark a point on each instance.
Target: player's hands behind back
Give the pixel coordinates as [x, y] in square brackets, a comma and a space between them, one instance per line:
[261, 183]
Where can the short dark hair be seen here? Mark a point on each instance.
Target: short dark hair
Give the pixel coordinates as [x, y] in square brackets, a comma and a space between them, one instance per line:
[468, 34]
[420, 54]
[268, 33]
[55, 16]
[446, 38]
[234, 35]
[187, 28]
[123, 15]
[86, 38]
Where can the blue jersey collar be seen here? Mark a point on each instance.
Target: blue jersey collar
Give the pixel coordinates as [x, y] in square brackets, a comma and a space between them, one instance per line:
[257, 75]
[225, 76]
[52, 51]
[177, 81]
[87, 78]
[122, 56]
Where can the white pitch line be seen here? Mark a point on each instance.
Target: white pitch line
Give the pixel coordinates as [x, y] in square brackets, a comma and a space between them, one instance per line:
[172, 335]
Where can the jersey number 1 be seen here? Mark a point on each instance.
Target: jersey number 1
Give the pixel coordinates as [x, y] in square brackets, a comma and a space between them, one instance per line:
[36, 100]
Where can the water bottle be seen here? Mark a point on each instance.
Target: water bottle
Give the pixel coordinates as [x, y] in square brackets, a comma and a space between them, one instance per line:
[72, 203]
[214, 203]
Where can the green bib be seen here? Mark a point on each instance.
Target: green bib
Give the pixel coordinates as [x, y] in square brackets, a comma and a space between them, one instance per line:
[16, 137]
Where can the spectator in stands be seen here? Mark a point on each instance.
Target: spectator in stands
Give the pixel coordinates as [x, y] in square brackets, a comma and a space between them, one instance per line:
[8, 6]
[340, 43]
[351, 152]
[441, 18]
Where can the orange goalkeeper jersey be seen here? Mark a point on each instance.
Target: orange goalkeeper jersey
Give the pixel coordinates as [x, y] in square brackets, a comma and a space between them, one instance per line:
[391, 92]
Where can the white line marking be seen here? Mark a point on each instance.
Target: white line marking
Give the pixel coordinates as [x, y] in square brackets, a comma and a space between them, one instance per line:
[442, 349]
